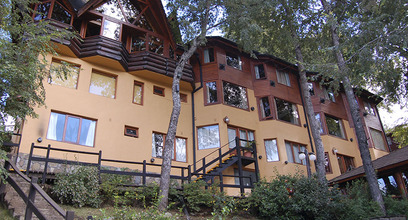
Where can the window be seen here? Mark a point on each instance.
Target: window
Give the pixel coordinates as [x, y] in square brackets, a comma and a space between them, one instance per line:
[345, 163]
[73, 129]
[57, 77]
[245, 135]
[271, 149]
[103, 85]
[158, 90]
[259, 71]
[329, 95]
[156, 45]
[179, 151]
[311, 89]
[249, 178]
[265, 107]
[183, 97]
[234, 61]
[211, 92]
[292, 151]
[208, 55]
[377, 139]
[286, 111]
[111, 29]
[327, 164]
[317, 115]
[368, 108]
[93, 27]
[138, 93]
[334, 126]
[131, 131]
[208, 137]
[42, 11]
[138, 42]
[59, 13]
[235, 95]
[283, 77]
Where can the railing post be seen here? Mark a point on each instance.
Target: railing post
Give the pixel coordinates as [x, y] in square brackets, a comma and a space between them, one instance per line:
[203, 166]
[144, 173]
[99, 165]
[221, 183]
[182, 175]
[46, 164]
[219, 156]
[189, 173]
[30, 199]
[240, 173]
[255, 153]
[70, 215]
[29, 159]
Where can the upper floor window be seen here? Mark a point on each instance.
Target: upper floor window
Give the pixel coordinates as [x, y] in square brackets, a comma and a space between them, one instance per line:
[131, 131]
[368, 108]
[179, 151]
[377, 139]
[235, 95]
[158, 90]
[283, 77]
[271, 149]
[58, 12]
[111, 29]
[212, 96]
[293, 150]
[311, 89]
[335, 126]
[346, 163]
[183, 97]
[319, 119]
[138, 93]
[327, 164]
[265, 107]
[208, 55]
[329, 94]
[208, 137]
[103, 84]
[234, 60]
[286, 111]
[259, 71]
[73, 129]
[57, 76]
[245, 135]
[156, 45]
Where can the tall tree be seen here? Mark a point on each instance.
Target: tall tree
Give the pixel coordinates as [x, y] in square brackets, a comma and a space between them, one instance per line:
[354, 108]
[24, 45]
[281, 28]
[196, 18]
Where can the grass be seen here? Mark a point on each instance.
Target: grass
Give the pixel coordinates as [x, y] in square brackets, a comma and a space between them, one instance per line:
[5, 213]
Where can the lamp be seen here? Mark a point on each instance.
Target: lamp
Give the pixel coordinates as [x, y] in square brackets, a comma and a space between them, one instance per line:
[335, 151]
[311, 157]
[226, 120]
[39, 140]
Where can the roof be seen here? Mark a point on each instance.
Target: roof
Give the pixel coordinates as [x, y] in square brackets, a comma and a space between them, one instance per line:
[394, 159]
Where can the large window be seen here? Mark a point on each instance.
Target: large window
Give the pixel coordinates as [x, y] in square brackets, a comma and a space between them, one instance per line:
[212, 96]
[345, 163]
[283, 77]
[271, 149]
[265, 107]
[138, 93]
[73, 129]
[292, 151]
[234, 60]
[319, 119]
[59, 12]
[208, 55]
[57, 76]
[245, 135]
[368, 108]
[103, 85]
[208, 137]
[377, 139]
[286, 111]
[334, 126]
[235, 95]
[179, 151]
[259, 71]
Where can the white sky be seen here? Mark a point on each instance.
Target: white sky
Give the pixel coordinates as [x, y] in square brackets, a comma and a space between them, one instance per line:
[396, 117]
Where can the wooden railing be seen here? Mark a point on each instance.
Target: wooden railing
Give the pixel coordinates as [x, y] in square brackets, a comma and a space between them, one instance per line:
[29, 200]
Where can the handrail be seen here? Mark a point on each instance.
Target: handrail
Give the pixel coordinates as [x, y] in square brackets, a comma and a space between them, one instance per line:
[213, 152]
[69, 215]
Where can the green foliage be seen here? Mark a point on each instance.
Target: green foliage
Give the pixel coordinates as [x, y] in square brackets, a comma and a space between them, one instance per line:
[127, 213]
[80, 187]
[396, 207]
[400, 134]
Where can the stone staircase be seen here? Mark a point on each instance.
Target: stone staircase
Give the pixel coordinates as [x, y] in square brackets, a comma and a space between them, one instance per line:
[18, 207]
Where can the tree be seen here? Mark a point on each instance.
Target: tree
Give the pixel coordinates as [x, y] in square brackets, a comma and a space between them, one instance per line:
[24, 45]
[354, 108]
[195, 19]
[284, 27]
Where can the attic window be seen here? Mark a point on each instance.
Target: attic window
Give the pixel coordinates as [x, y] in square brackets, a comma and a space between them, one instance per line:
[59, 12]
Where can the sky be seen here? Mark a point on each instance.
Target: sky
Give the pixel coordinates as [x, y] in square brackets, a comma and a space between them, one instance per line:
[396, 117]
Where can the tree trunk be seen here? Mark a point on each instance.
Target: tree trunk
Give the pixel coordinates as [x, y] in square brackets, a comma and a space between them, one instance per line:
[355, 113]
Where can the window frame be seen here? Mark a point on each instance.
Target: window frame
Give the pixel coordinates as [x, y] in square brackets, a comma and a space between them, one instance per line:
[382, 137]
[341, 125]
[344, 164]
[238, 134]
[158, 88]
[107, 75]
[74, 65]
[206, 95]
[246, 95]
[142, 92]
[232, 56]
[183, 97]
[368, 108]
[283, 74]
[299, 146]
[131, 128]
[277, 114]
[264, 71]
[277, 149]
[209, 57]
[50, 11]
[262, 108]
[328, 167]
[174, 147]
[79, 128]
[198, 134]
[329, 95]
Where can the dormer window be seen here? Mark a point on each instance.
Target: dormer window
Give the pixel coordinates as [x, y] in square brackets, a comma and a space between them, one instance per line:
[234, 61]
[58, 12]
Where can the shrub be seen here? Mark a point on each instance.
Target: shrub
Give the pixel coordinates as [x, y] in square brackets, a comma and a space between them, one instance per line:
[80, 187]
[396, 207]
[196, 197]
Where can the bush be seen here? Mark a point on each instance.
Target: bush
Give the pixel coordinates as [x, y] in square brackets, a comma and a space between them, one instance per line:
[80, 187]
[396, 207]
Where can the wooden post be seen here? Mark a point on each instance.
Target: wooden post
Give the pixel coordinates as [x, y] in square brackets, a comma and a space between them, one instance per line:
[29, 159]
[255, 153]
[203, 166]
[70, 215]
[46, 164]
[182, 175]
[221, 183]
[219, 156]
[99, 166]
[189, 173]
[144, 173]
[241, 182]
[31, 198]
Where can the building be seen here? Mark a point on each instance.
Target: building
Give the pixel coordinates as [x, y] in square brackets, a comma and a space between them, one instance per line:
[118, 100]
